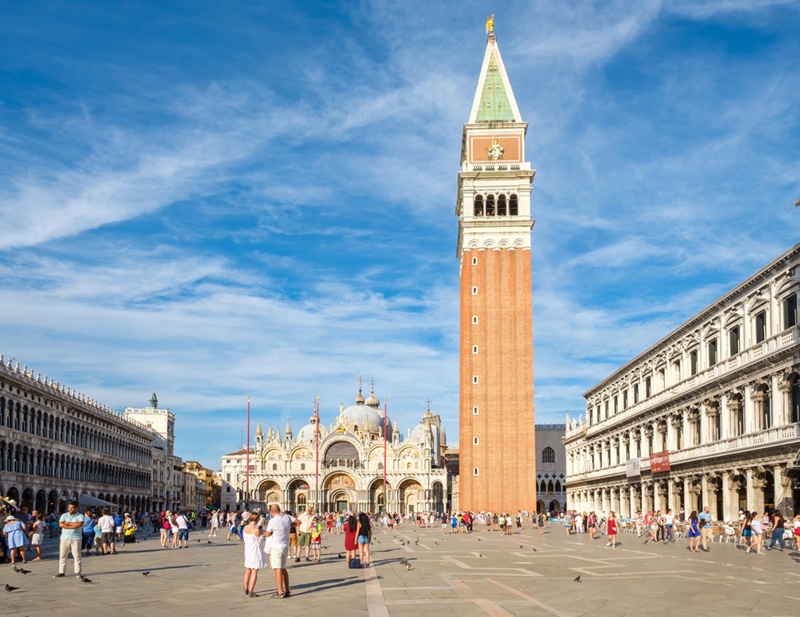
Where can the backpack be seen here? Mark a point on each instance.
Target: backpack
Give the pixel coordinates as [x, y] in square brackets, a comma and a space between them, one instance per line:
[165, 524]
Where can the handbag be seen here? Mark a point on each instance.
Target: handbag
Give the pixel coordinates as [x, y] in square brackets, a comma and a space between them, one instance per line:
[355, 563]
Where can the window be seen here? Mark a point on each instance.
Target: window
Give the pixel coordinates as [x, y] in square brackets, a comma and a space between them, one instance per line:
[475, 411]
[501, 205]
[796, 401]
[625, 399]
[548, 455]
[490, 205]
[474, 261]
[302, 466]
[678, 437]
[478, 205]
[697, 433]
[474, 349]
[474, 320]
[616, 404]
[766, 412]
[733, 337]
[716, 427]
[274, 466]
[662, 379]
[474, 441]
[635, 393]
[227, 489]
[513, 208]
[606, 414]
[474, 291]
[475, 471]
[474, 379]
[712, 352]
[676, 370]
[761, 326]
[693, 362]
[790, 311]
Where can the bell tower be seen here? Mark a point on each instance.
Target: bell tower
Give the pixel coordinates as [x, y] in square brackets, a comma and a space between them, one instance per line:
[497, 452]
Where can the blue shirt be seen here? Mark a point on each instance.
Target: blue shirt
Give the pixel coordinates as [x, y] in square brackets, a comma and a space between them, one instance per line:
[705, 519]
[71, 534]
[88, 525]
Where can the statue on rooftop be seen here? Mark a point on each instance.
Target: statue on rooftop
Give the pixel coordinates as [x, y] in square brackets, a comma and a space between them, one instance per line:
[490, 24]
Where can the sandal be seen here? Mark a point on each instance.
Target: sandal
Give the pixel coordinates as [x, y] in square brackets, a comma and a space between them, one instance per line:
[287, 594]
[277, 595]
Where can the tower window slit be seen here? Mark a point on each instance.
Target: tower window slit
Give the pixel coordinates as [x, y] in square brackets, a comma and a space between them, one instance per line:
[478, 205]
[513, 208]
[501, 205]
[490, 205]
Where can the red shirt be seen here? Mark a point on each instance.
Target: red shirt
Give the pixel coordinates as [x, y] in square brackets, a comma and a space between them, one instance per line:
[611, 526]
[349, 538]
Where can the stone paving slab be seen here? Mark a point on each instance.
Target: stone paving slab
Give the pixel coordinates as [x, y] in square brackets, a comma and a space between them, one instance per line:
[481, 574]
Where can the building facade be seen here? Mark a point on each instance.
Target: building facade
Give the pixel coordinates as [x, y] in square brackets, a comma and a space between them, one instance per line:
[551, 468]
[57, 445]
[168, 483]
[206, 477]
[496, 346]
[708, 416]
[342, 466]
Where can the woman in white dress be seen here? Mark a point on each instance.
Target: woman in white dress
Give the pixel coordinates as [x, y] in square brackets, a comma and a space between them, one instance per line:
[254, 558]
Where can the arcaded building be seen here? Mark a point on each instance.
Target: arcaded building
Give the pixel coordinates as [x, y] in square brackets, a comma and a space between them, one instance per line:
[342, 466]
[496, 432]
[707, 416]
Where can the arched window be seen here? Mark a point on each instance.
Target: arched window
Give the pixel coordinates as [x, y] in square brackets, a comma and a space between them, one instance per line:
[513, 208]
[548, 455]
[490, 205]
[501, 205]
[478, 205]
[302, 466]
[274, 466]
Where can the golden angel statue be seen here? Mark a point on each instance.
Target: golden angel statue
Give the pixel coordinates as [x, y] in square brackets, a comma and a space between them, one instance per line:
[490, 24]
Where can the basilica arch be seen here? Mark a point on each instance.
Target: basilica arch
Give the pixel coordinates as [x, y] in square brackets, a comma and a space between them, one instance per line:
[268, 492]
[408, 495]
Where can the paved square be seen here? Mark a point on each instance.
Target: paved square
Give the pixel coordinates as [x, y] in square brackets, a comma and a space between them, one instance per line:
[480, 574]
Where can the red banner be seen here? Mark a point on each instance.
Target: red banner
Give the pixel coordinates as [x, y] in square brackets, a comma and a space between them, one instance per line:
[659, 462]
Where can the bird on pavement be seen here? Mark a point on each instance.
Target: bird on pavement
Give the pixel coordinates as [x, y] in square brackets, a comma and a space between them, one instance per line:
[577, 579]
[145, 573]
[9, 588]
[340, 556]
[408, 566]
[209, 541]
[21, 570]
[534, 549]
[436, 543]
[85, 580]
[198, 541]
[480, 554]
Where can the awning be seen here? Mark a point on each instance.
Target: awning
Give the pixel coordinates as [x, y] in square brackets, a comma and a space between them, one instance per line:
[87, 500]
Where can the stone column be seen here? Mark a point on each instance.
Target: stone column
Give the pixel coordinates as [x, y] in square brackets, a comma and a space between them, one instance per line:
[632, 501]
[782, 398]
[783, 491]
[730, 497]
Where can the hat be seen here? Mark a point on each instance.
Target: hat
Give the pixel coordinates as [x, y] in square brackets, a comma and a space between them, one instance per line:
[11, 518]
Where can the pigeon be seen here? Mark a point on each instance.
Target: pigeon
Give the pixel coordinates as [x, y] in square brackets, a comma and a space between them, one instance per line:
[436, 543]
[405, 562]
[577, 579]
[340, 556]
[534, 549]
[480, 554]
[9, 588]
[85, 580]
[198, 541]
[479, 539]
[416, 542]
[145, 573]
[408, 566]
[521, 546]
[21, 570]
[209, 541]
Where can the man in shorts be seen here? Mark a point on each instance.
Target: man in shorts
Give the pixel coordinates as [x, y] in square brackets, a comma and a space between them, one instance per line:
[278, 530]
[304, 533]
[107, 526]
[705, 527]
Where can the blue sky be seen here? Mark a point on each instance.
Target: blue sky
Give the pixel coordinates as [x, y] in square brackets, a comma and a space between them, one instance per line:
[216, 199]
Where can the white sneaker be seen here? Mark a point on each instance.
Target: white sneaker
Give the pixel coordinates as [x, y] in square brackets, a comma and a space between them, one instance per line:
[609, 544]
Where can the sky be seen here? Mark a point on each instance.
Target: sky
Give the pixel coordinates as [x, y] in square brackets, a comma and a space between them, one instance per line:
[220, 199]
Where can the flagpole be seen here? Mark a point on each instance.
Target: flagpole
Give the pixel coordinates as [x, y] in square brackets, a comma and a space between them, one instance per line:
[316, 426]
[385, 505]
[247, 464]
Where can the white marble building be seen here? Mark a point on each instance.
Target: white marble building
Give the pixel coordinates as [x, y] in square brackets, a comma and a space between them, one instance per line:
[709, 415]
[346, 471]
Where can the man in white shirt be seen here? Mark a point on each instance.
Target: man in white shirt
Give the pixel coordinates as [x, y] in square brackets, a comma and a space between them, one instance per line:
[107, 525]
[278, 533]
[183, 530]
[304, 532]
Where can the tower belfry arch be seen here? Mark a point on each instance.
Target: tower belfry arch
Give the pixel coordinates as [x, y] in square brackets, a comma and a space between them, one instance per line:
[496, 445]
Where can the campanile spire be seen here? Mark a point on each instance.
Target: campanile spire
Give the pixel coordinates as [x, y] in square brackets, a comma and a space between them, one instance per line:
[496, 441]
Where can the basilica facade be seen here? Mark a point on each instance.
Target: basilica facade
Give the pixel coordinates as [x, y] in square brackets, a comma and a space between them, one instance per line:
[708, 416]
[342, 466]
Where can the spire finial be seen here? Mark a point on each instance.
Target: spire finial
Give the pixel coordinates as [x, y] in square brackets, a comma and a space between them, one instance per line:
[490, 25]
[154, 400]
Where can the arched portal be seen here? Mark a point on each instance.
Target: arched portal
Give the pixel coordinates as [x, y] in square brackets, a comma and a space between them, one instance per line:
[27, 499]
[409, 494]
[555, 506]
[297, 495]
[437, 497]
[41, 501]
[377, 495]
[268, 492]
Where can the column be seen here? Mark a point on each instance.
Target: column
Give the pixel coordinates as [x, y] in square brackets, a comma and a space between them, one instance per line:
[755, 489]
[624, 505]
[784, 500]
[730, 498]
[633, 502]
[782, 399]
[704, 493]
[615, 499]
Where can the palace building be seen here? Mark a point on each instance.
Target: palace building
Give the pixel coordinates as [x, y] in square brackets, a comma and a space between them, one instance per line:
[493, 206]
[342, 466]
[708, 416]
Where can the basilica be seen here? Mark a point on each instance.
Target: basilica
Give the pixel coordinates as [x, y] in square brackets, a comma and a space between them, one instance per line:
[342, 466]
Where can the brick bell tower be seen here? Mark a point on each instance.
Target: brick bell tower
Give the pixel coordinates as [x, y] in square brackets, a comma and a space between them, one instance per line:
[497, 466]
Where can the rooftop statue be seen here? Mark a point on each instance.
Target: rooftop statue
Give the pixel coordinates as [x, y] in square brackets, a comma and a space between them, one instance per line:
[490, 24]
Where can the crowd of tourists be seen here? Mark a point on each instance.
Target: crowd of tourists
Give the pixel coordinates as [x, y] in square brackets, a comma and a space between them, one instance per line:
[751, 529]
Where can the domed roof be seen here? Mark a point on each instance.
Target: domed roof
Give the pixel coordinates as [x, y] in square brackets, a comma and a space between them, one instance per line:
[419, 432]
[309, 431]
[364, 418]
[372, 401]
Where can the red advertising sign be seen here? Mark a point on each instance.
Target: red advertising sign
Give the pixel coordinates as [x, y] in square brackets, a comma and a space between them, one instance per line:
[659, 462]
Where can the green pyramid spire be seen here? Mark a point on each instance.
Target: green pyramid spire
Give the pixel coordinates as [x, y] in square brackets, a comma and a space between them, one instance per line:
[494, 104]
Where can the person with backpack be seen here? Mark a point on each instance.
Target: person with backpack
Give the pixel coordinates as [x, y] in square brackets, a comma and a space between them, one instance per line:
[183, 529]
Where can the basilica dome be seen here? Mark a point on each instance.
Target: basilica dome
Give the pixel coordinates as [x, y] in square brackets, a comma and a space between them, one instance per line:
[365, 417]
[309, 431]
